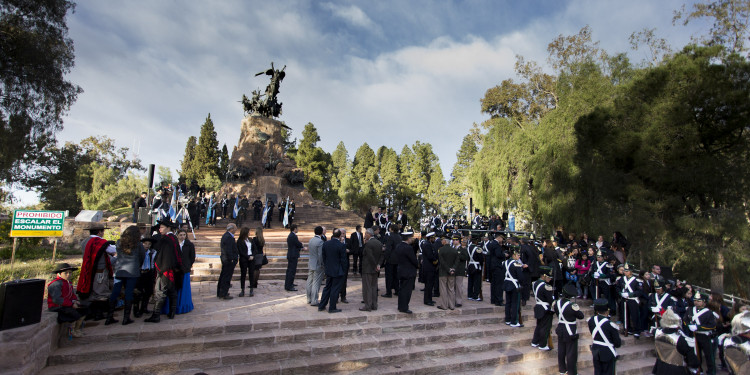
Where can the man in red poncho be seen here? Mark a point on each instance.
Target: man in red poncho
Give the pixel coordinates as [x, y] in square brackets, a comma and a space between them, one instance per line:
[95, 281]
[168, 264]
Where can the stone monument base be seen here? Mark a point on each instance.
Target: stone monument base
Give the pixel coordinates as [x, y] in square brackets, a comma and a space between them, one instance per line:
[262, 185]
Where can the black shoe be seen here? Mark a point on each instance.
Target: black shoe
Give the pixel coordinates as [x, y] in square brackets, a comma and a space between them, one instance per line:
[344, 301]
[458, 305]
[405, 311]
[242, 293]
[334, 311]
[126, 314]
[292, 290]
[431, 303]
[386, 295]
[442, 308]
[227, 297]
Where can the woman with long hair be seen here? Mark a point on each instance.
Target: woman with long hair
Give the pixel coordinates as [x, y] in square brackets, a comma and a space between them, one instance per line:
[130, 255]
[583, 264]
[246, 250]
[258, 243]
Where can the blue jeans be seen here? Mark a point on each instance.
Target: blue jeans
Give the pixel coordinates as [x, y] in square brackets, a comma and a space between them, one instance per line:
[129, 286]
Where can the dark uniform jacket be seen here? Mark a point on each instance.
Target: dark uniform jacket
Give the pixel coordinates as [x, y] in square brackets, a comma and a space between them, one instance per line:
[513, 269]
[600, 351]
[463, 257]
[530, 257]
[294, 246]
[568, 313]
[429, 257]
[493, 248]
[544, 295]
[406, 260]
[392, 240]
[335, 260]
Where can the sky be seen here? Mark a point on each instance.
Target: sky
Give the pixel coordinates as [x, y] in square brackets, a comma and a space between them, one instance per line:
[383, 72]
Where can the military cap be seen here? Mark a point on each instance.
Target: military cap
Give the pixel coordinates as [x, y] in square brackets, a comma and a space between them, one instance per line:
[456, 236]
[545, 270]
[698, 296]
[431, 234]
[657, 285]
[601, 305]
[569, 290]
[627, 267]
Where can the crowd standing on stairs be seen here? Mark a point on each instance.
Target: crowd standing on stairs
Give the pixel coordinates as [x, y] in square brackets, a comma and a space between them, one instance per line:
[693, 332]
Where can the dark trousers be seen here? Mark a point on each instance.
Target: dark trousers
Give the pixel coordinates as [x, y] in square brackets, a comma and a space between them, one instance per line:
[145, 286]
[69, 314]
[526, 283]
[707, 350]
[602, 367]
[164, 289]
[246, 271]
[406, 285]
[631, 308]
[256, 213]
[429, 285]
[474, 284]
[129, 285]
[342, 293]
[356, 263]
[512, 304]
[291, 271]
[391, 278]
[225, 277]
[496, 286]
[542, 330]
[567, 355]
[332, 288]
[223, 212]
[436, 282]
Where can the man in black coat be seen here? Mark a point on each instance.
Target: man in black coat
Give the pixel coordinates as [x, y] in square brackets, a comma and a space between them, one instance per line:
[294, 246]
[257, 207]
[407, 269]
[137, 204]
[496, 259]
[356, 243]
[168, 264]
[606, 338]
[335, 262]
[229, 256]
[369, 220]
[529, 257]
[429, 266]
[402, 220]
[391, 263]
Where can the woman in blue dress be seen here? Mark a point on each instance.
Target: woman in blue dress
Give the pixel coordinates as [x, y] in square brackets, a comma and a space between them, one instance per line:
[184, 294]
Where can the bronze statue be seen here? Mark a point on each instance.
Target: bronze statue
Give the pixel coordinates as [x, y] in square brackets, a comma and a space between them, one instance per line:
[270, 106]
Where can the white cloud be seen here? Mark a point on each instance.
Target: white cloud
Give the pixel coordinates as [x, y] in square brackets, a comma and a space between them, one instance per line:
[154, 70]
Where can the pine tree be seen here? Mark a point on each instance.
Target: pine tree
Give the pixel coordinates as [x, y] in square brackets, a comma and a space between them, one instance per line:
[458, 188]
[207, 151]
[389, 175]
[224, 163]
[338, 169]
[315, 163]
[187, 171]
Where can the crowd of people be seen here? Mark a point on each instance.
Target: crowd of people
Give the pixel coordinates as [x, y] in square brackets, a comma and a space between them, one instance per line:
[692, 330]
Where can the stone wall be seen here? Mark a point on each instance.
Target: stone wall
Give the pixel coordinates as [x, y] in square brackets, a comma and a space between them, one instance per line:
[24, 350]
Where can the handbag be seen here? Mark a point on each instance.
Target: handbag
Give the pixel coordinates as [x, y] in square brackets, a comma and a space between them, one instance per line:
[265, 260]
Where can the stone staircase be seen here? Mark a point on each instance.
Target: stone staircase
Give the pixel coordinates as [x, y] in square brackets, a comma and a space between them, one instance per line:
[469, 340]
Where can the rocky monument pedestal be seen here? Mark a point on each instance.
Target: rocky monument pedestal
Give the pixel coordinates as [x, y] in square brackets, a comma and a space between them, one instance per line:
[259, 166]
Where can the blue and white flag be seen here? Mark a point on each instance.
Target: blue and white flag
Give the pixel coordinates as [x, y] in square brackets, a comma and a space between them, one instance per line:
[210, 211]
[236, 209]
[173, 205]
[265, 214]
[286, 213]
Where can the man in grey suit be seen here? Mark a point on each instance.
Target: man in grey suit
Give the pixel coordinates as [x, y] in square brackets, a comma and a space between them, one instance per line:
[336, 263]
[315, 269]
[372, 256]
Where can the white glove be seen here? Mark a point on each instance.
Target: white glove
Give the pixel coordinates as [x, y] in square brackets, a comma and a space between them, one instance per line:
[693, 327]
[597, 275]
[655, 309]
[624, 294]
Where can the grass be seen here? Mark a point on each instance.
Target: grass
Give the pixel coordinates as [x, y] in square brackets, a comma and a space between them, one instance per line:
[36, 269]
[123, 210]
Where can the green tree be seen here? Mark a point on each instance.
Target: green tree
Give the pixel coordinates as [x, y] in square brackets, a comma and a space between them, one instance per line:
[289, 147]
[730, 22]
[206, 152]
[316, 164]
[458, 189]
[390, 176]
[165, 175]
[67, 172]
[187, 171]
[34, 94]
[106, 191]
[339, 166]
[224, 163]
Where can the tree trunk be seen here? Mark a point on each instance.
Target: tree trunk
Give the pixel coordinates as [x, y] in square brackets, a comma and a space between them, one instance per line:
[717, 272]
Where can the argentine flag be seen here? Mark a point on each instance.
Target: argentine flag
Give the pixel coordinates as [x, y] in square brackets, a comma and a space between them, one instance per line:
[265, 214]
[286, 213]
[210, 211]
[236, 209]
[173, 205]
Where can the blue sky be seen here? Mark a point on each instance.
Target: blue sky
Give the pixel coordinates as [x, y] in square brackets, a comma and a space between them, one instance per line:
[382, 72]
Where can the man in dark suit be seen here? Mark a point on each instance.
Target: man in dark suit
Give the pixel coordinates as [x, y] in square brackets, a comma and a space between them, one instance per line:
[343, 239]
[495, 259]
[292, 256]
[335, 262]
[530, 257]
[391, 263]
[356, 242]
[429, 266]
[372, 257]
[369, 220]
[229, 257]
[407, 269]
[402, 220]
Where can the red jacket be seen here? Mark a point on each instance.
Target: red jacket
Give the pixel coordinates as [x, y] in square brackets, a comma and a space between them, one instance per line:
[60, 294]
